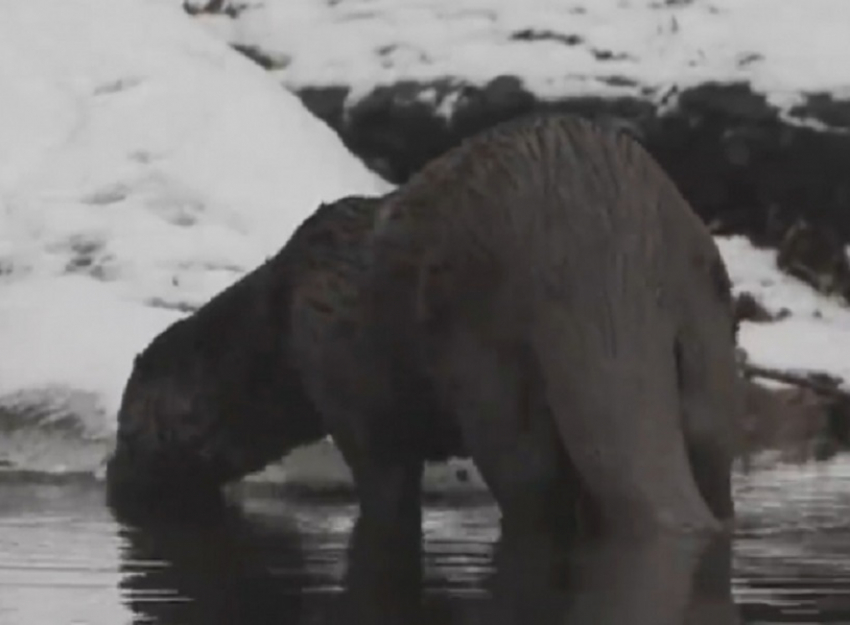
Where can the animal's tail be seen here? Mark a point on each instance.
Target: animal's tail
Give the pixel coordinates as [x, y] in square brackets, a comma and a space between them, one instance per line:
[611, 384]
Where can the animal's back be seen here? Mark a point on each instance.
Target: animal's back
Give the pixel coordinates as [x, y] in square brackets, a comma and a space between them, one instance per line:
[327, 265]
[326, 255]
[564, 252]
[546, 208]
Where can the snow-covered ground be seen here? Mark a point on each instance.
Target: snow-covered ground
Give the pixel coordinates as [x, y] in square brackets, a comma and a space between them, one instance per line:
[557, 47]
[814, 337]
[144, 166]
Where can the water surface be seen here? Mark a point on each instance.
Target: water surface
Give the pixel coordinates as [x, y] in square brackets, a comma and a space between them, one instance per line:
[64, 558]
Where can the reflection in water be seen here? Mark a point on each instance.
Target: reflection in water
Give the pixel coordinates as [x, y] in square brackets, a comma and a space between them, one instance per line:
[236, 568]
[666, 581]
[213, 571]
[233, 568]
[64, 559]
[282, 559]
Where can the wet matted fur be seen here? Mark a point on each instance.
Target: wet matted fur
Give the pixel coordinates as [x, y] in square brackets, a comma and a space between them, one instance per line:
[541, 298]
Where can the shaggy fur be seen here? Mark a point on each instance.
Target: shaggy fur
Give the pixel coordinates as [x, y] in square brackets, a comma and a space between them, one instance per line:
[541, 298]
[547, 276]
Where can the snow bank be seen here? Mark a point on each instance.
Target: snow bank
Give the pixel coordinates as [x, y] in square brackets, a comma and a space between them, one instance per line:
[813, 337]
[558, 48]
[565, 48]
[144, 165]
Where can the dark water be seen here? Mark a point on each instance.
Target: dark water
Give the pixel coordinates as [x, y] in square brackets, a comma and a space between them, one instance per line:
[64, 559]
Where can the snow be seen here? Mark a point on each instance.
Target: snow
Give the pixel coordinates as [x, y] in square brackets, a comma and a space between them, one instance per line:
[816, 334]
[144, 166]
[655, 43]
[71, 331]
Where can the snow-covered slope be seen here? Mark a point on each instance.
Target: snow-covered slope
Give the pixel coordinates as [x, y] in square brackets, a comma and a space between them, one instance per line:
[582, 47]
[144, 165]
[558, 48]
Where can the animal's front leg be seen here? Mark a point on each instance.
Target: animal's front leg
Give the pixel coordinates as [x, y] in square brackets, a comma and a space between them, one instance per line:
[389, 496]
[385, 558]
[495, 392]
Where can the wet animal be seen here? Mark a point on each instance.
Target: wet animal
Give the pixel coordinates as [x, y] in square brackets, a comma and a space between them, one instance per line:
[541, 298]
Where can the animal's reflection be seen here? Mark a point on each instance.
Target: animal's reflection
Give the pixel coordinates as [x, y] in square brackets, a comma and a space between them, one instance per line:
[212, 569]
[228, 568]
[665, 581]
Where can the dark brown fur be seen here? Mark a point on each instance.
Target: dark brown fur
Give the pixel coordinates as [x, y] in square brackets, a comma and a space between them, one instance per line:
[222, 392]
[216, 395]
[334, 344]
[549, 277]
[541, 298]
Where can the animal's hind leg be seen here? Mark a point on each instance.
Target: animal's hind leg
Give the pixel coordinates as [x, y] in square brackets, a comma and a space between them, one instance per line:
[496, 395]
[710, 388]
[710, 395]
[616, 404]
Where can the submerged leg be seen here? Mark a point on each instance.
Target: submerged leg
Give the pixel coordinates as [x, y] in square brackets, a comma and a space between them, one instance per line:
[496, 394]
[384, 576]
[387, 480]
[384, 568]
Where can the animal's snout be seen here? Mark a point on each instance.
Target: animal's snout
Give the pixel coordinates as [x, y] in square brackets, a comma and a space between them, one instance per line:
[141, 480]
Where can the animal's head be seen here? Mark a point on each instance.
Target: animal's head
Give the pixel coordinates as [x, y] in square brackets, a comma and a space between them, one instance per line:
[211, 399]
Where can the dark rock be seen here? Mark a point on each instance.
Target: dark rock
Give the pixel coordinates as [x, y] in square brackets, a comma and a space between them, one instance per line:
[825, 109]
[261, 57]
[326, 103]
[838, 421]
[748, 308]
[532, 34]
[798, 423]
[398, 125]
[608, 55]
[816, 256]
[744, 166]
[230, 8]
[182, 307]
